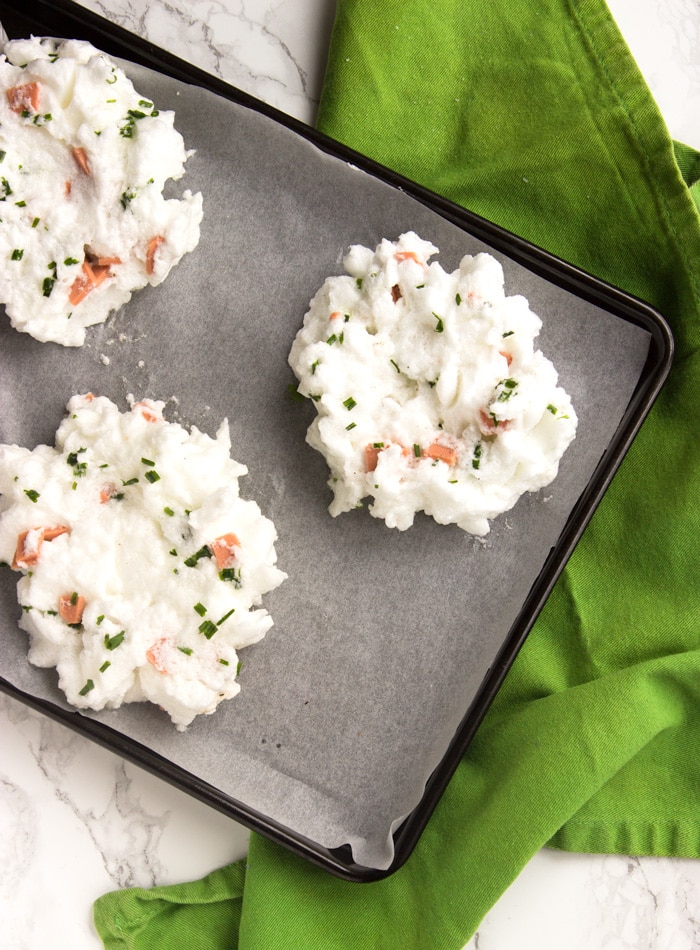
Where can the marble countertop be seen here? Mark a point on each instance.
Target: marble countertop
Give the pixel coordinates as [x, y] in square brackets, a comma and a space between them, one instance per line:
[77, 821]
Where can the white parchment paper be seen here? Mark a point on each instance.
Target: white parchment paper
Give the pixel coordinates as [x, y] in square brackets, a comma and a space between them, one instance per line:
[381, 638]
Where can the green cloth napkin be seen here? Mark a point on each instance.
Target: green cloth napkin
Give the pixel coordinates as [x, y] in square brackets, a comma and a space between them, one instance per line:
[533, 115]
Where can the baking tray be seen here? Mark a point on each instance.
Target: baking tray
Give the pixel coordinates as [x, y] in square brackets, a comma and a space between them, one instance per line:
[388, 647]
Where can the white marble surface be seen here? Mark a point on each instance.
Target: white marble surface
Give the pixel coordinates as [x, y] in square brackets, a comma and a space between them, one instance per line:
[77, 821]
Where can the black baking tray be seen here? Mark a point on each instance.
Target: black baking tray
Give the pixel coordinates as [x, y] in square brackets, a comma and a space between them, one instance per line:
[66, 19]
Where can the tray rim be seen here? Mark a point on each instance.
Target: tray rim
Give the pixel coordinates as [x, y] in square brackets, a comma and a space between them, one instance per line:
[50, 17]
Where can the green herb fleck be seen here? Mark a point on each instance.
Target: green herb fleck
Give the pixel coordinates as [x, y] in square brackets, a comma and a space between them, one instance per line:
[395, 365]
[186, 650]
[148, 462]
[207, 628]
[86, 689]
[417, 450]
[105, 665]
[232, 574]
[129, 481]
[351, 426]
[294, 393]
[509, 387]
[476, 457]
[332, 339]
[169, 512]
[112, 643]
[71, 260]
[200, 609]
[17, 254]
[225, 617]
[349, 403]
[191, 561]
[358, 282]
[100, 619]
[32, 495]
[458, 299]
[152, 476]
[21, 204]
[224, 662]
[508, 333]
[440, 325]
[35, 222]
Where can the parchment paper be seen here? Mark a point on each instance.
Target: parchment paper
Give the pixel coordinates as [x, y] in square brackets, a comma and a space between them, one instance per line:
[381, 638]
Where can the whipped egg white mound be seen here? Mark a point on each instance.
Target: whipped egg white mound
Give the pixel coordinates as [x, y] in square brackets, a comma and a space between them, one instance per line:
[84, 159]
[430, 395]
[143, 570]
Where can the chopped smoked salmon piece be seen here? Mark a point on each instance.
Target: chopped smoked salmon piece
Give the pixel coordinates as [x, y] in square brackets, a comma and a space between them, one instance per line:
[71, 607]
[225, 550]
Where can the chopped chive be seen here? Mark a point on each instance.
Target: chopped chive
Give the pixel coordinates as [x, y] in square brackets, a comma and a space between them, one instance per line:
[458, 299]
[395, 365]
[100, 619]
[35, 222]
[3, 153]
[173, 552]
[32, 495]
[238, 667]
[349, 403]
[207, 628]
[377, 445]
[186, 650]
[148, 461]
[113, 642]
[200, 608]
[191, 561]
[293, 391]
[314, 365]
[232, 574]
[476, 458]
[332, 339]
[169, 512]
[105, 665]
[71, 260]
[17, 254]
[226, 616]
[358, 282]
[86, 689]
[417, 450]
[552, 409]
[21, 204]
[152, 476]
[224, 662]
[508, 333]
[352, 425]
[74, 598]
[440, 325]
[129, 481]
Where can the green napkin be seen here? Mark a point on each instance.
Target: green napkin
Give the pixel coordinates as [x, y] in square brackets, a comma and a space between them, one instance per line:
[535, 116]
